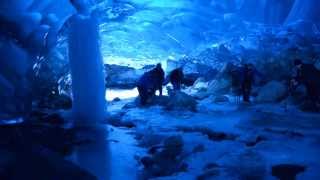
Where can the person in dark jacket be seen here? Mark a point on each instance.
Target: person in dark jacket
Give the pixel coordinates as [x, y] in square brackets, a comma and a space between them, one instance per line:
[247, 81]
[149, 83]
[247, 77]
[176, 78]
[309, 76]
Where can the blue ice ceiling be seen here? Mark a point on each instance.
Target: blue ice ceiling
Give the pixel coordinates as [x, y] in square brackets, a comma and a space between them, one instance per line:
[153, 30]
[146, 31]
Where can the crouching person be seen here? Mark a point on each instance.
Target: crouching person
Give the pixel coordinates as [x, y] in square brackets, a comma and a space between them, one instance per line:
[149, 83]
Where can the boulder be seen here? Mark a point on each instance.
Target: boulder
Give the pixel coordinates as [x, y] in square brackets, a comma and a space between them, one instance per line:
[181, 101]
[272, 92]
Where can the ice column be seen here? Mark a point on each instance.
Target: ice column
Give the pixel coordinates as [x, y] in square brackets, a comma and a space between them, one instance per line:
[86, 65]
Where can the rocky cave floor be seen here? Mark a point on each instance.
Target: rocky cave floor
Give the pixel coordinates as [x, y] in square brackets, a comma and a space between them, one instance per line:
[216, 141]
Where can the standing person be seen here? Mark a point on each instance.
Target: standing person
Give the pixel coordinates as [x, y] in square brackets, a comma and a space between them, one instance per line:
[157, 78]
[248, 74]
[308, 75]
[176, 78]
[149, 83]
[247, 81]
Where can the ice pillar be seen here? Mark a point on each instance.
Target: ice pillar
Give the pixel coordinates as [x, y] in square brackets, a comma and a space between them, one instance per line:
[86, 66]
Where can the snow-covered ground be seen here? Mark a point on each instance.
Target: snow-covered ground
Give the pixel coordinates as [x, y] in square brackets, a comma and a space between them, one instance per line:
[254, 139]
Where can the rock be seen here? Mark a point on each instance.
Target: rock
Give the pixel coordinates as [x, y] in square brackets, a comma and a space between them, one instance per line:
[181, 101]
[272, 92]
[122, 77]
[221, 99]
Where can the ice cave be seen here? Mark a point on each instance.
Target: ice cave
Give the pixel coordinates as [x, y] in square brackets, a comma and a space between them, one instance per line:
[159, 89]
